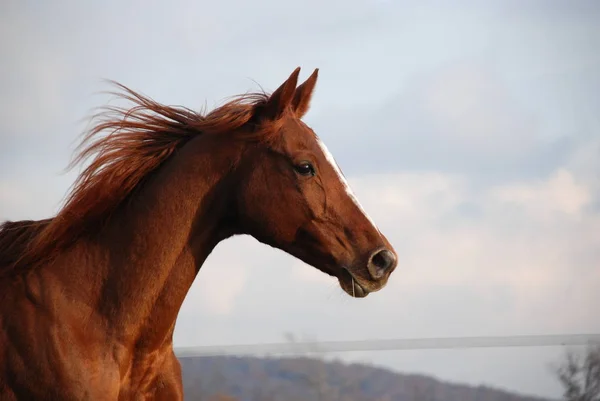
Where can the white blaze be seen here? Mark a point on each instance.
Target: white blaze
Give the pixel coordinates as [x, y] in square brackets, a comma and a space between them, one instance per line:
[347, 187]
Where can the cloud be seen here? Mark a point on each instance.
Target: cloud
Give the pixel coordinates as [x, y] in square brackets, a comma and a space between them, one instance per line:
[303, 273]
[32, 97]
[560, 193]
[475, 107]
[11, 195]
[223, 277]
[461, 117]
[226, 283]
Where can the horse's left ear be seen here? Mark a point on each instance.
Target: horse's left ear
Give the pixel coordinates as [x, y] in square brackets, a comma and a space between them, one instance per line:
[281, 99]
[303, 95]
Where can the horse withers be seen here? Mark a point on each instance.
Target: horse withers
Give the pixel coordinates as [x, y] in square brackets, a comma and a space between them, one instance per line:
[89, 298]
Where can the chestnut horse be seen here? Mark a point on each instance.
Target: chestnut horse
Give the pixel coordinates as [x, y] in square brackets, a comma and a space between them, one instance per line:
[89, 298]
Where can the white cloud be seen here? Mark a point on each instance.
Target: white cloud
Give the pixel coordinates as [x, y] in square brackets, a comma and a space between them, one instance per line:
[220, 281]
[560, 193]
[32, 195]
[11, 196]
[302, 272]
[530, 249]
[34, 73]
[409, 196]
[475, 105]
[226, 282]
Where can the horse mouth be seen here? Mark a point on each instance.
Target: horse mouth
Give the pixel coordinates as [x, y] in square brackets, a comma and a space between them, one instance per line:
[351, 285]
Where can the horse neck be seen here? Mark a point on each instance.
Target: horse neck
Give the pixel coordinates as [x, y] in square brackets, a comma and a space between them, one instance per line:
[154, 247]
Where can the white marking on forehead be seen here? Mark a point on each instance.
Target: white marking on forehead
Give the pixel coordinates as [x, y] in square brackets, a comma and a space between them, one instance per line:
[347, 187]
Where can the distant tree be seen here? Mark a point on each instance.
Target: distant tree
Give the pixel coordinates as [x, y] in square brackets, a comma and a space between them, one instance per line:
[580, 376]
[260, 380]
[421, 393]
[316, 374]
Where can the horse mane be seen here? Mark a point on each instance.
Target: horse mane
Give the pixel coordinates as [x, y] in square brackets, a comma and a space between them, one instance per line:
[139, 140]
[15, 236]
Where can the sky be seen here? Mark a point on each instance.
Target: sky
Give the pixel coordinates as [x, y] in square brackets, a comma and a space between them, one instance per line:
[469, 131]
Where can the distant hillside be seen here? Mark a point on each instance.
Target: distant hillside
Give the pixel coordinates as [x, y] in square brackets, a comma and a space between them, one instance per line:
[304, 379]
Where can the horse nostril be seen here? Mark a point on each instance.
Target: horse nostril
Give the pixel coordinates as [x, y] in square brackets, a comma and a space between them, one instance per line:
[381, 262]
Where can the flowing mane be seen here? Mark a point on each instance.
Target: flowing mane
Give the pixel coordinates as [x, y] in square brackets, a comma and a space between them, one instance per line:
[138, 140]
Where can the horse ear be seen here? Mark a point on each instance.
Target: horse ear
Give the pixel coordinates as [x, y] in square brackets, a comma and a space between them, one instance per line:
[281, 99]
[303, 95]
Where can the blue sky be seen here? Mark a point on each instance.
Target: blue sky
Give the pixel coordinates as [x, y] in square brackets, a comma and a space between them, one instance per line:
[469, 131]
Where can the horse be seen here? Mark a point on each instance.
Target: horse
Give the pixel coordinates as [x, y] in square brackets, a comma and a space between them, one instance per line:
[89, 298]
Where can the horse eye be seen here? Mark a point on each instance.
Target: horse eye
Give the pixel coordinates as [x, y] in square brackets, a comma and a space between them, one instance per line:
[305, 168]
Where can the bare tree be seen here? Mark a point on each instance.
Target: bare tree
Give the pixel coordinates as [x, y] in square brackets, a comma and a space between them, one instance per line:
[580, 376]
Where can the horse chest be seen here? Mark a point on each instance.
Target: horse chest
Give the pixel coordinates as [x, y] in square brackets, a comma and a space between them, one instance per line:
[45, 358]
[151, 376]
